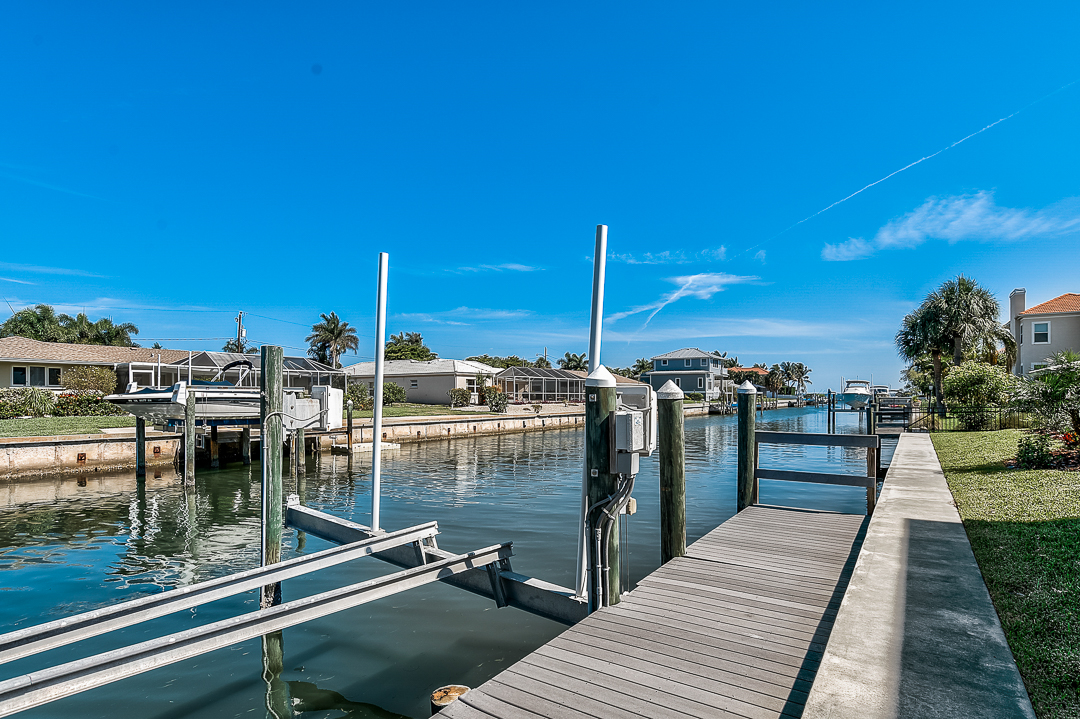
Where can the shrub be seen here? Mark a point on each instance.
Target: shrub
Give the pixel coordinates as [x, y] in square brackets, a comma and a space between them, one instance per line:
[85, 403]
[459, 397]
[392, 393]
[979, 384]
[496, 400]
[101, 379]
[358, 393]
[695, 396]
[1053, 394]
[1033, 452]
[38, 402]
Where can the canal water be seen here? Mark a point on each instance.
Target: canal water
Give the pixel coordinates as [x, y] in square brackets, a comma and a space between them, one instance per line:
[69, 545]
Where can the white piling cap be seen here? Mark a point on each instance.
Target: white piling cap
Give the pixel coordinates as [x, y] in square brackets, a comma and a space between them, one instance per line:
[670, 390]
[600, 378]
[747, 387]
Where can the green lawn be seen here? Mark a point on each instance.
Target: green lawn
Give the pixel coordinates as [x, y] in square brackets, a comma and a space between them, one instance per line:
[417, 410]
[1024, 527]
[48, 426]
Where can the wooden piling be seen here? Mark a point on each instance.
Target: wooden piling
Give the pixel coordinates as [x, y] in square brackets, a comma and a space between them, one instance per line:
[271, 438]
[245, 445]
[300, 451]
[349, 407]
[670, 440]
[189, 438]
[600, 483]
[140, 448]
[277, 690]
[747, 492]
[871, 472]
[214, 459]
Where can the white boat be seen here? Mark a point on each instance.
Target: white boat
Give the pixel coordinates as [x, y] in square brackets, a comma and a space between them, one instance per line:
[214, 400]
[856, 393]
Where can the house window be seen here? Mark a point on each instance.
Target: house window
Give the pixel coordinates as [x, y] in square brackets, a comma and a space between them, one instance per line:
[1040, 333]
[686, 362]
[54, 376]
[35, 376]
[371, 386]
[701, 383]
[413, 383]
[663, 362]
[18, 376]
[678, 381]
[704, 363]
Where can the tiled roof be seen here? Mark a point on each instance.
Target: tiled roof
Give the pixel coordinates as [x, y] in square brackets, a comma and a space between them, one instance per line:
[405, 368]
[1068, 302]
[20, 348]
[686, 353]
[758, 370]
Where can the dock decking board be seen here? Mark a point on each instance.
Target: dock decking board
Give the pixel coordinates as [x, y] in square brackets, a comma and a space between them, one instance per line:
[736, 628]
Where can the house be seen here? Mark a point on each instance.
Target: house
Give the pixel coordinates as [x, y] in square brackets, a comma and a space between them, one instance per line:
[1044, 329]
[31, 363]
[425, 382]
[694, 371]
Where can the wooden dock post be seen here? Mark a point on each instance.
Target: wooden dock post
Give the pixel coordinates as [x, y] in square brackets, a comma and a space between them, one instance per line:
[271, 438]
[245, 445]
[828, 412]
[214, 459]
[670, 440]
[871, 417]
[140, 448]
[600, 483]
[299, 451]
[871, 472]
[747, 482]
[189, 439]
[349, 407]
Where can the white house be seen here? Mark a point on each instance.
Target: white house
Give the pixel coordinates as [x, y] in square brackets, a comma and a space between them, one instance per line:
[1044, 329]
[427, 382]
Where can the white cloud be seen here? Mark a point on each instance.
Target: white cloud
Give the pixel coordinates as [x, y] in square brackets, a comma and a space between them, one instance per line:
[760, 256]
[504, 267]
[458, 315]
[39, 269]
[956, 219]
[21, 282]
[703, 286]
[670, 257]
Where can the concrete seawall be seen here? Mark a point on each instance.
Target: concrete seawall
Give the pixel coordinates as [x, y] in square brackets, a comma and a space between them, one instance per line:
[75, 454]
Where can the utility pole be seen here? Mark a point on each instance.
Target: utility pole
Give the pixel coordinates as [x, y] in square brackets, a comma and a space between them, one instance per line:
[240, 332]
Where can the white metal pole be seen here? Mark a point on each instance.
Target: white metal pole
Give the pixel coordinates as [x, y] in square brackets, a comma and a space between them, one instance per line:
[380, 347]
[596, 321]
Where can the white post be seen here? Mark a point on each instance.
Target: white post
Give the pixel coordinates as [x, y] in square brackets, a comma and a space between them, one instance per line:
[158, 382]
[596, 322]
[380, 348]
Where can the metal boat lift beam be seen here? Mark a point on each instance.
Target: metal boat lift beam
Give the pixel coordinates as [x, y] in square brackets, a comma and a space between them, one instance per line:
[50, 635]
[36, 688]
[526, 593]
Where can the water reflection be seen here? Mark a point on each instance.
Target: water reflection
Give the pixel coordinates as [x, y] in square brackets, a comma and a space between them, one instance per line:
[66, 548]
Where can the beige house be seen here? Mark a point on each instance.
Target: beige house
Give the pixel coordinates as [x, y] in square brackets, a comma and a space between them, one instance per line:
[30, 363]
[1044, 329]
[426, 382]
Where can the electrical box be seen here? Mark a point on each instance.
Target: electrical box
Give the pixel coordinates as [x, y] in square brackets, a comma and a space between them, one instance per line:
[332, 401]
[641, 398]
[301, 412]
[629, 431]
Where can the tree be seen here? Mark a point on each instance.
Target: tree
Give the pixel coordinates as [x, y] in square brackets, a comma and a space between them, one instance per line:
[333, 338]
[1053, 394]
[574, 362]
[80, 330]
[38, 323]
[244, 347]
[408, 345]
[921, 333]
[979, 384]
[641, 366]
[542, 362]
[797, 374]
[726, 361]
[156, 346]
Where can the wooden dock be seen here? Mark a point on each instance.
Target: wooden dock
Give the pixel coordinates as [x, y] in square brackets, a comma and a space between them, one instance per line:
[736, 628]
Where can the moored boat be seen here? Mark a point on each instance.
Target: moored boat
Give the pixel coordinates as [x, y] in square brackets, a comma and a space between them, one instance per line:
[856, 393]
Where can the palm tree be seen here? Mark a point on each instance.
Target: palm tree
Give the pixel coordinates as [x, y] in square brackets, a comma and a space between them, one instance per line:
[573, 361]
[36, 323]
[408, 345]
[641, 366]
[798, 374]
[107, 333]
[922, 332]
[242, 347]
[969, 315]
[334, 336]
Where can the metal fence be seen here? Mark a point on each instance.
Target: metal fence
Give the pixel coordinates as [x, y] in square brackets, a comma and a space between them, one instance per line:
[967, 418]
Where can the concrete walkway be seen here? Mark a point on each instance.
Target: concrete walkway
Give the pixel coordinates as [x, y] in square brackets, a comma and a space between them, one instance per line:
[917, 635]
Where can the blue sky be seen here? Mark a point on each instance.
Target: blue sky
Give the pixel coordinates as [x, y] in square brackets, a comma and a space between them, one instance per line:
[170, 165]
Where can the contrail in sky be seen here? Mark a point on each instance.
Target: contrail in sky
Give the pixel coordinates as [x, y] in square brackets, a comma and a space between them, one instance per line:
[908, 167]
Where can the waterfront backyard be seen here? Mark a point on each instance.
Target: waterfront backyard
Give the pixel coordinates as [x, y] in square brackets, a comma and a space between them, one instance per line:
[70, 548]
[1024, 528]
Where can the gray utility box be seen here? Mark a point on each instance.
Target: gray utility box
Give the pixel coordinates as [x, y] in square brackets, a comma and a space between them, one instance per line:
[628, 440]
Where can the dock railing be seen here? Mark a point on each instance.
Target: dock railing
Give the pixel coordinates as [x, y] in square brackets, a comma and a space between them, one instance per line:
[871, 442]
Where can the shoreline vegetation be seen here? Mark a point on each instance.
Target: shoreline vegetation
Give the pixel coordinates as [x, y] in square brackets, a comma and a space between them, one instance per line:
[1024, 528]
